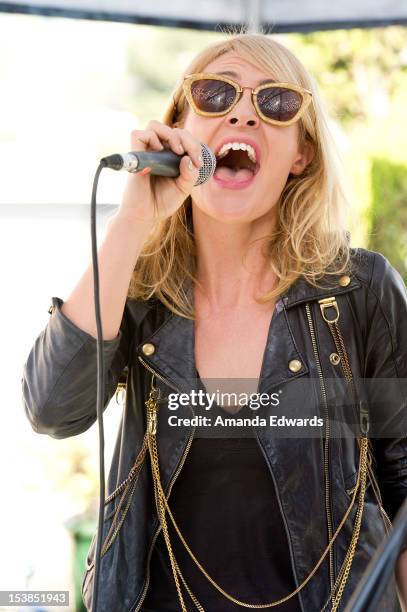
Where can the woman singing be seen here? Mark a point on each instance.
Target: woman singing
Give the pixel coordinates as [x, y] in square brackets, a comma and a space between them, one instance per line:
[247, 277]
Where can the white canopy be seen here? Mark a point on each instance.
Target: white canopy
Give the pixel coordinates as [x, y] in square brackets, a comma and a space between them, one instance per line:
[276, 15]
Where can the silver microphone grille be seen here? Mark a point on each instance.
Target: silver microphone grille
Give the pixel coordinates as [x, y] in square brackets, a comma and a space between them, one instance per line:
[208, 167]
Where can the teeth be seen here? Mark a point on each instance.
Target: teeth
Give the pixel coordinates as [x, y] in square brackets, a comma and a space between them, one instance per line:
[236, 146]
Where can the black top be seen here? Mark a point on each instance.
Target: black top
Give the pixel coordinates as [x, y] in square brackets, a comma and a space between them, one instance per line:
[225, 505]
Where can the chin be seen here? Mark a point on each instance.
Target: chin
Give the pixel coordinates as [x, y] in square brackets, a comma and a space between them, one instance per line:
[230, 210]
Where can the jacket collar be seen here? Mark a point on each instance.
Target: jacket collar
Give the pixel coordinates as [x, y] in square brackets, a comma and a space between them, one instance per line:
[173, 343]
[174, 352]
[302, 291]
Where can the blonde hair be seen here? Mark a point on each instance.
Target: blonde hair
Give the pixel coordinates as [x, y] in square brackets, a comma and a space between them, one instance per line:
[309, 238]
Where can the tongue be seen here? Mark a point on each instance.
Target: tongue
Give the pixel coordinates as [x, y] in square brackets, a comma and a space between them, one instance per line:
[227, 174]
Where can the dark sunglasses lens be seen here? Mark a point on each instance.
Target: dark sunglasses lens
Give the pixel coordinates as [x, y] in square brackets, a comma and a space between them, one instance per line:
[213, 96]
[279, 103]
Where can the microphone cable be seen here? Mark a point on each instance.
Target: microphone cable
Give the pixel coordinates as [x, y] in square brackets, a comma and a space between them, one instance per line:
[164, 163]
[100, 384]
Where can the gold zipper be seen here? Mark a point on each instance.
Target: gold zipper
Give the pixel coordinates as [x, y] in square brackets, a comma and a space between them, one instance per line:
[331, 302]
[326, 444]
[363, 442]
[173, 479]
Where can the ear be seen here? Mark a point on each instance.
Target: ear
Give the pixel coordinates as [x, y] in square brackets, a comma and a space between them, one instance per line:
[304, 157]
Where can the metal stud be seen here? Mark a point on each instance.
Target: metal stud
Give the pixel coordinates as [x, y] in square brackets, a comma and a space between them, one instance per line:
[344, 280]
[148, 348]
[295, 365]
[334, 358]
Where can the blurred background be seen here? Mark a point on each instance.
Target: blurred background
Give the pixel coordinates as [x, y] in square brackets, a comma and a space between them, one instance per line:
[71, 92]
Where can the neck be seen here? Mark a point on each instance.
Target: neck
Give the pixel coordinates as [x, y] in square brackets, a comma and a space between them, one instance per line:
[230, 265]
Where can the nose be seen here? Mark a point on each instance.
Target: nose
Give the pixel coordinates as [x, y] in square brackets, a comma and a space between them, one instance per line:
[244, 112]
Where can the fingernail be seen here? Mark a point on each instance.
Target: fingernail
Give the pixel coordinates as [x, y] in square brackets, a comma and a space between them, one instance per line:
[191, 167]
[181, 148]
[146, 170]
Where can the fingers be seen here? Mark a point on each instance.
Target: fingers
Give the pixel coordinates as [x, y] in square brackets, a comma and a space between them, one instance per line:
[146, 170]
[177, 139]
[143, 140]
[188, 175]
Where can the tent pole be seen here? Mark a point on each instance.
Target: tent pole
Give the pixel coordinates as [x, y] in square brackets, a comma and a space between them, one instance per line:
[253, 17]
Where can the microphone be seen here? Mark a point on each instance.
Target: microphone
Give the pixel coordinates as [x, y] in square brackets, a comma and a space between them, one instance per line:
[162, 163]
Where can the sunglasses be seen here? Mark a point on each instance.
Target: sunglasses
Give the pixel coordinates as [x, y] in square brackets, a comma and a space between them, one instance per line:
[212, 95]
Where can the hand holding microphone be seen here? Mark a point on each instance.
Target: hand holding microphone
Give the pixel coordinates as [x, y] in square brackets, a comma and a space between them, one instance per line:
[186, 164]
[160, 163]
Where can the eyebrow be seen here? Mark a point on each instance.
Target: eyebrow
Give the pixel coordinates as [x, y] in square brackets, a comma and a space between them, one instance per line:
[235, 75]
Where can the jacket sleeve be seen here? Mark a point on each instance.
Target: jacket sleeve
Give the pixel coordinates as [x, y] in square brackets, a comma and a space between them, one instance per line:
[59, 382]
[386, 358]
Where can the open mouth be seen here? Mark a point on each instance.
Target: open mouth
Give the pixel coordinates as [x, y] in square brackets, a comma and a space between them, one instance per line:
[236, 165]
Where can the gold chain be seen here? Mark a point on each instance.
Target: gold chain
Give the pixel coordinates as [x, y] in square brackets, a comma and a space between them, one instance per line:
[127, 485]
[346, 565]
[134, 472]
[163, 507]
[151, 404]
[356, 530]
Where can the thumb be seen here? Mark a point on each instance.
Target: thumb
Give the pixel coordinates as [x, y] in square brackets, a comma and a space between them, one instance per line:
[188, 174]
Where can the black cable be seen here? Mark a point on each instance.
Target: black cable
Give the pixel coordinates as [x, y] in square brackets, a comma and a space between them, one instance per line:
[100, 395]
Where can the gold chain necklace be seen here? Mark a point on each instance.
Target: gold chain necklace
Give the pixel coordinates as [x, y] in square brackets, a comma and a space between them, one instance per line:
[163, 507]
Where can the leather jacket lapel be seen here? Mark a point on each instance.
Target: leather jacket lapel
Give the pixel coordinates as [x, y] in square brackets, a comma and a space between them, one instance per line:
[174, 352]
[173, 356]
[280, 353]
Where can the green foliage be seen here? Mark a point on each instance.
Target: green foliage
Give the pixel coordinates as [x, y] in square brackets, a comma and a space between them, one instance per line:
[355, 69]
[388, 233]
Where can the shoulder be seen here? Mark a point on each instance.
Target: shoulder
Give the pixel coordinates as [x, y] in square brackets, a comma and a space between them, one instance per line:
[379, 306]
[375, 272]
[382, 304]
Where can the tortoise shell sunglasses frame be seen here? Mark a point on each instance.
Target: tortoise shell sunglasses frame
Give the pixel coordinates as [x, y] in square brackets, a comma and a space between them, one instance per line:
[190, 79]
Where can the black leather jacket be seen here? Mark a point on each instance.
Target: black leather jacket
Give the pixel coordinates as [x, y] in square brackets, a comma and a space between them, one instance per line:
[59, 391]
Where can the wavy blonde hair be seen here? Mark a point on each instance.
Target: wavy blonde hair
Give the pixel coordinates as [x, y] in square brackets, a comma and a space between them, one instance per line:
[309, 238]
